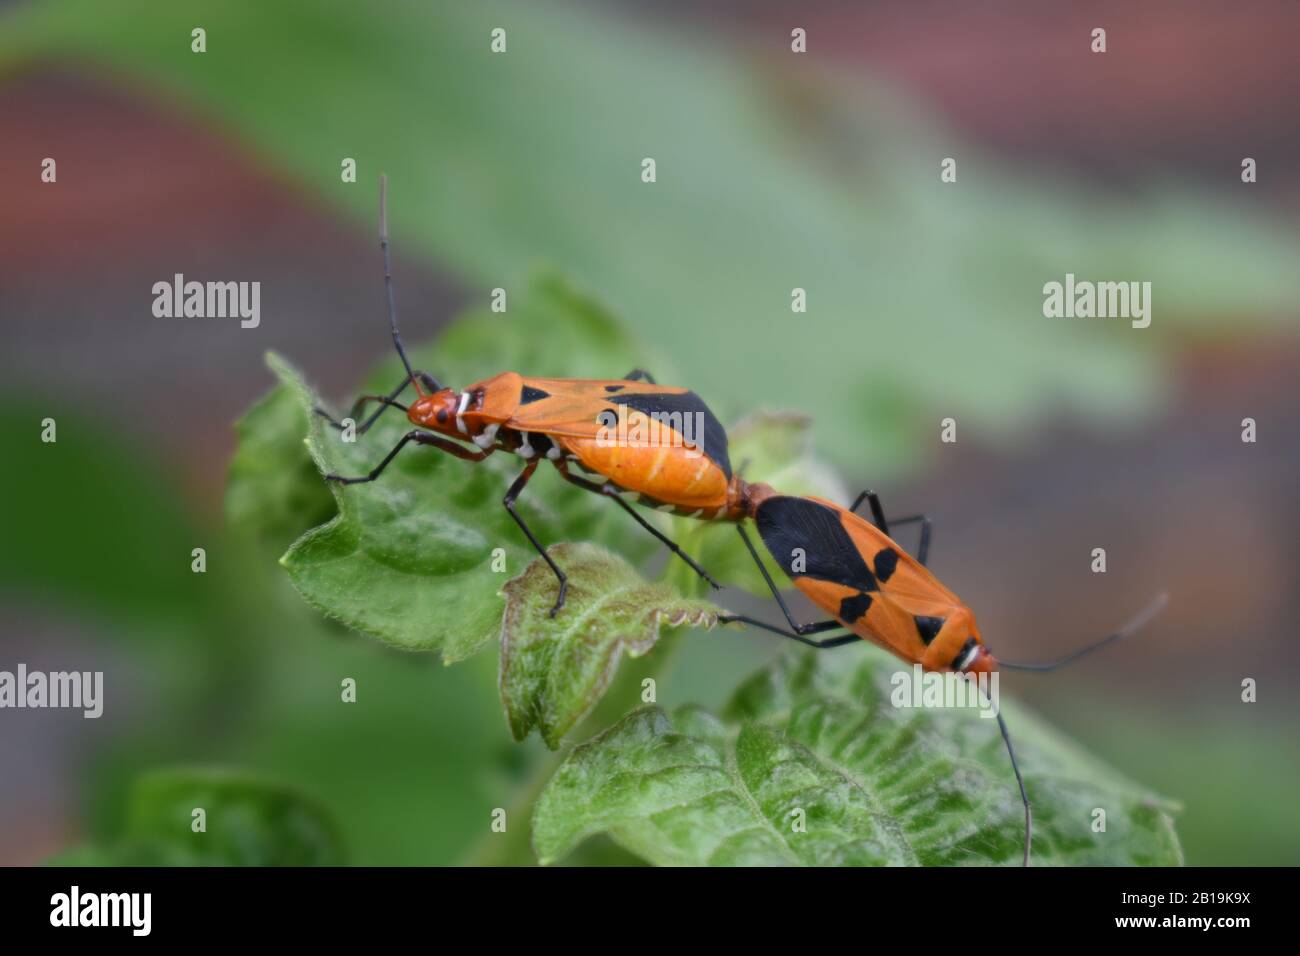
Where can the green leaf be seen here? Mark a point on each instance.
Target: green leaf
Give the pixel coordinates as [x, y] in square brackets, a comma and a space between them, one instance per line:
[412, 557]
[555, 670]
[274, 491]
[407, 558]
[247, 821]
[879, 785]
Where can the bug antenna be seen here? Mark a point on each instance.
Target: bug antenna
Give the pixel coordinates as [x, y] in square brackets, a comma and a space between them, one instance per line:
[1140, 621]
[1020, 781]
[388, 280]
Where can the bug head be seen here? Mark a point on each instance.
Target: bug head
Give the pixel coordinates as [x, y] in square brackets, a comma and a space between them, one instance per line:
[437, 411]
[468, 413]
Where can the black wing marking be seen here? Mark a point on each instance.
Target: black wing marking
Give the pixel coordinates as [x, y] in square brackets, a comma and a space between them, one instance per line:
[787, 523]
[682, 404]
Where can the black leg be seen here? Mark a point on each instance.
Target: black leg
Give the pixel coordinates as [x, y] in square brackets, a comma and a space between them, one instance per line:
[671, 545]
[422, 438]
[878, 515]
[361, 402]
[922, 549]
[430, 384]
[877, 512]
[797, 630]
[638, 374]
[823, 644]
[509, 502]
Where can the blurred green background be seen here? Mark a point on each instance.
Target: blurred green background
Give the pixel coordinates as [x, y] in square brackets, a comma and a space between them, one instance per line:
[775, 170]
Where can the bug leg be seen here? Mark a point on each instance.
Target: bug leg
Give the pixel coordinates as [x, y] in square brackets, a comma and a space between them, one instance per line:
[922, 549]
[668, 542]
[877, 512]
[797, 631]
[427, 380]
[509, 502]
[823, 644]
[878, 516]
[357, 406]
[419, 437]
[639, 374]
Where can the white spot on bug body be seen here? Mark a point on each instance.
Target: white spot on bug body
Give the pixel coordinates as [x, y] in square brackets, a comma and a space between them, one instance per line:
[969, 658]
[525, 450]
[488, 437]
[460, 410]
[666, 508]
[554, 453]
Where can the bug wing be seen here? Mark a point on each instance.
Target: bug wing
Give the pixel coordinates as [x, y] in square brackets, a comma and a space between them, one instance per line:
[904, 591]
[573, 407]
[901, 578]
[581, 408]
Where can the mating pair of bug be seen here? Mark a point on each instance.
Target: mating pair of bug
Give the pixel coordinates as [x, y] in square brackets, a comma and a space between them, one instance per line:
[848, 566]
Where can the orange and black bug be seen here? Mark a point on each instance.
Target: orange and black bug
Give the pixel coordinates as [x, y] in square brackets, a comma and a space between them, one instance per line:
[675, 460]
[853, 570]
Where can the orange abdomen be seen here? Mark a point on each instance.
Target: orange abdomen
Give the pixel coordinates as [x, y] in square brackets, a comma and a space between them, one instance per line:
[672, 474]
